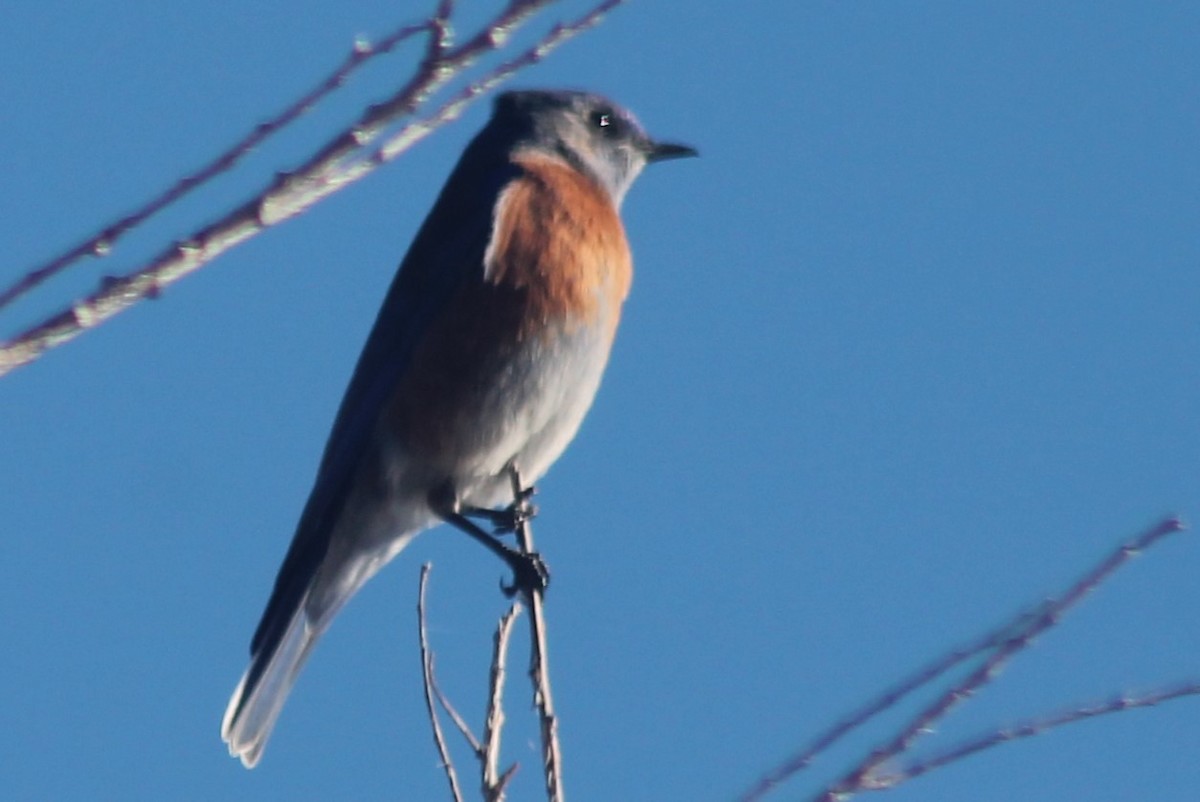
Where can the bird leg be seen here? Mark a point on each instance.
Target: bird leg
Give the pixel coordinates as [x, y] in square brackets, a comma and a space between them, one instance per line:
[529, 570]
[505, 521]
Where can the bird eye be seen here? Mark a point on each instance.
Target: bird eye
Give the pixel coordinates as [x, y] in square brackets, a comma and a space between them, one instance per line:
[607, 122]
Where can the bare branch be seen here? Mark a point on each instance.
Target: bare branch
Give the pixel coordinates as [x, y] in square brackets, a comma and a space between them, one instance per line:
[999, 646]
[427, 675]
[1024, 630]
[539, 671]
[1030, 728]
[494, 783]
[330, 170]
[101, 243]
[457, 718]
[804, 758]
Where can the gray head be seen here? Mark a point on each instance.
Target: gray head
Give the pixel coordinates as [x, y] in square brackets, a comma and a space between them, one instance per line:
[590, 132]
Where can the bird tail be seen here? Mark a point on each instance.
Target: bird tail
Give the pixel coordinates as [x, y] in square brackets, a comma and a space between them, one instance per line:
[263, 689]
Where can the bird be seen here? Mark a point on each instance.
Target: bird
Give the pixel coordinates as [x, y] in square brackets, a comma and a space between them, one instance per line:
[484, 358]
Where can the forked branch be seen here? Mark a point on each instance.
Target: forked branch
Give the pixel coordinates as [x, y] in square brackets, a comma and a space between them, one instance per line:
[347, 157]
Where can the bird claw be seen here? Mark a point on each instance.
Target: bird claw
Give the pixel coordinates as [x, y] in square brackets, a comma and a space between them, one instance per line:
[530, 575]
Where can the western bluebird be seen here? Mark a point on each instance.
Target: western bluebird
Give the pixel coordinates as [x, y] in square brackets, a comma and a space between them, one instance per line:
[484, 358]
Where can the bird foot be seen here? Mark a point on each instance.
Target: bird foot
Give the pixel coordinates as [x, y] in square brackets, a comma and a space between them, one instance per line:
[530, 574]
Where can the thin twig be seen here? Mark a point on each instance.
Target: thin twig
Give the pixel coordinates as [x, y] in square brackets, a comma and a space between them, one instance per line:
[330, 170]
[495, 783]
[101, 243]
[453, 109]
[1030, 728]
[1026, 630]
[427, 675]
[539, 669]
[918, 679]
[457, 718]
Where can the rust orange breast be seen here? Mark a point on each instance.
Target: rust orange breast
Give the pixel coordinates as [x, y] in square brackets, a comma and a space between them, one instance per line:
[558, 262]
[558, 239]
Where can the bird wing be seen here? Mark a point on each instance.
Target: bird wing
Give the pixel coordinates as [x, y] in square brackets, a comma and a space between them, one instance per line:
[449, 248]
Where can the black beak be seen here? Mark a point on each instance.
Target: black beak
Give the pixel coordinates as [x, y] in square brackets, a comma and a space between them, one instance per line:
[661, 151]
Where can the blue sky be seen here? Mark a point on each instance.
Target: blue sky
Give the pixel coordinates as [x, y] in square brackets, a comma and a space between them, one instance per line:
[913, 344]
